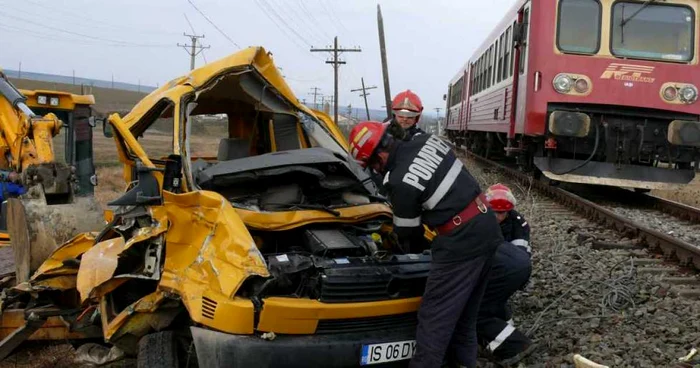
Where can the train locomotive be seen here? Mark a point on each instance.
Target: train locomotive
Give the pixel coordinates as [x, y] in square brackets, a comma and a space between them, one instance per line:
[598, 92]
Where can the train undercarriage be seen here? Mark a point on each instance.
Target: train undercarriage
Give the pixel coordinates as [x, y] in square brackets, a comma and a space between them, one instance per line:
[602, 146]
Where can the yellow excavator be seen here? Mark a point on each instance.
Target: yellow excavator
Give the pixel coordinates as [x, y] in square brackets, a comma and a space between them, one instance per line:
[52, 159]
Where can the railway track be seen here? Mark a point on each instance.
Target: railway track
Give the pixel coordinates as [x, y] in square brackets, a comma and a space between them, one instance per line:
[684, 253]
[680, 262]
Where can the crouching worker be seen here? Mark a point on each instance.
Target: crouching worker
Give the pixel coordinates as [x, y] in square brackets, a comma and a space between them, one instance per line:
[427, 184]
[510, 272]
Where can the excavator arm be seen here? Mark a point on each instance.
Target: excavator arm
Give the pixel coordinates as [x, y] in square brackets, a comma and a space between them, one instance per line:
[48, 214]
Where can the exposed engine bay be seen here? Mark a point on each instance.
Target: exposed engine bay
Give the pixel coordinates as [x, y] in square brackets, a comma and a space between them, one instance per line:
[312, 178]
[332, 263]
[337, 264]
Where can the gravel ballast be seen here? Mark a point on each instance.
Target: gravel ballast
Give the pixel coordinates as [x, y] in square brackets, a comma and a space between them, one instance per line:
[596, 303]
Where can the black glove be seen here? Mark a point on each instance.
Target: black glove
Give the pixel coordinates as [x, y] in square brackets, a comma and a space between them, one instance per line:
[396, 130]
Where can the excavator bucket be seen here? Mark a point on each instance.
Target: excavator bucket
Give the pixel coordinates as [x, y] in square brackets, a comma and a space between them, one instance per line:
[37, 229]
[51, 211]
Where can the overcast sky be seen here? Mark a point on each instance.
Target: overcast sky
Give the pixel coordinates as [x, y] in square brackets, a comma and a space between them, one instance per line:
[427, 40]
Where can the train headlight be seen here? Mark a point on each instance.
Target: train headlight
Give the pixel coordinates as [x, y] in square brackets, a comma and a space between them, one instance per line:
[41, 100]
[689, 94]
[581, 85]
[53, 101]
[670, 93]
[563, 83]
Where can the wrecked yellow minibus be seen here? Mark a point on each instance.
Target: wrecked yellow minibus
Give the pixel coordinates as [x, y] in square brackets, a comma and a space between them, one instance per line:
[246, 237]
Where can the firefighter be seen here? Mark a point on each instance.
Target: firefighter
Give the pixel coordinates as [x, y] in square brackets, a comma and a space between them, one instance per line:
[406, 109]
[510, 272]
[513, 225]
[427, 184]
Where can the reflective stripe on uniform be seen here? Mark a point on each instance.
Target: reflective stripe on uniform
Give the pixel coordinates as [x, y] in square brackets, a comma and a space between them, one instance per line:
[407, 222]
[444, 186]
[522, 243]
[386, 178]
[511, 322]
[502, 336]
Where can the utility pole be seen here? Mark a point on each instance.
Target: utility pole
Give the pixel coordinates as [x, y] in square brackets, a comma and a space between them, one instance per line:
[364, 94]
[194, 48]
[112, 80]
[20, 70]
[385, 68]
[315, 89]
[73, 76]
[336, 63]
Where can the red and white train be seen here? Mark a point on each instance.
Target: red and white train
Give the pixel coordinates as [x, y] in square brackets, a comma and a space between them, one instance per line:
[588, 91]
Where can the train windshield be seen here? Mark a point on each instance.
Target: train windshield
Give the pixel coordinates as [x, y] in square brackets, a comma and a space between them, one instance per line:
[579, 26]
[653, 31]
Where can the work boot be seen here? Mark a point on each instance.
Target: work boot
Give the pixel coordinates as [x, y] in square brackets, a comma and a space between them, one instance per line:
[507, 362]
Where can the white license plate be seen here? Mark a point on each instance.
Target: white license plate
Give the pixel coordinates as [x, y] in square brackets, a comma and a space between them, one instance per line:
[387, 352]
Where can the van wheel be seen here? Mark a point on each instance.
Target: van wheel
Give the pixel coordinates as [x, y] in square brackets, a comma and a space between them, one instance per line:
[158, 350]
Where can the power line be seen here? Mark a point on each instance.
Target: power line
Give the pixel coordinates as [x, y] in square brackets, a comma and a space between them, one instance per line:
[93, 23]
[77, 33]
[297, 19]
[315, 89]
[194, 49]
[364, 95]
[214, 25]
[294, 41]
[335, 15]
[194, 32]
[315, 21]
[54, 37]
[274, 12]
[336, 64]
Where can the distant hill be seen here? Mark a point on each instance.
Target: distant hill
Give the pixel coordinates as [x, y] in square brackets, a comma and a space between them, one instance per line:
[65, 79]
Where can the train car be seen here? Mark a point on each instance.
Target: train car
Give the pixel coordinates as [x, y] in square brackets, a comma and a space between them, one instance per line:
[588, 91]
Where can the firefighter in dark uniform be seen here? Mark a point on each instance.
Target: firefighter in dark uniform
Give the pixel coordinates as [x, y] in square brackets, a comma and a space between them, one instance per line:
[510, 272]
[427, 184]
[406, 110]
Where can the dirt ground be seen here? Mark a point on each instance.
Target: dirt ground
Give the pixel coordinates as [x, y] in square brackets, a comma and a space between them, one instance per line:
[689, 195]
[38, 355]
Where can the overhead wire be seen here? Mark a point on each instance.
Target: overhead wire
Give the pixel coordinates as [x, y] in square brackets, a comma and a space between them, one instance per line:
[272, 10]
[337, 19]
[195, 32]
[53, 37]
[93, 23]
[29, 21]
[313, 19]
[297, 19]
[292, 39]
[213, 24]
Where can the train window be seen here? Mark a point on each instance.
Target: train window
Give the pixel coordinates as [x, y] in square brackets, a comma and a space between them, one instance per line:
[511, 64]
[523, 46]
[506, 56]
[489, 58]
[578, 28]
[456, 95]
[653, 31]
[501, 52]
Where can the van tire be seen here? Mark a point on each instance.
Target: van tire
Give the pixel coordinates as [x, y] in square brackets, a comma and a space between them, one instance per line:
[158, 350]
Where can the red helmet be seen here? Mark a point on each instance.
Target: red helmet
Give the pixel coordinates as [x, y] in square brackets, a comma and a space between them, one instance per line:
[500, 198]
[364, 140]
[407, 104]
